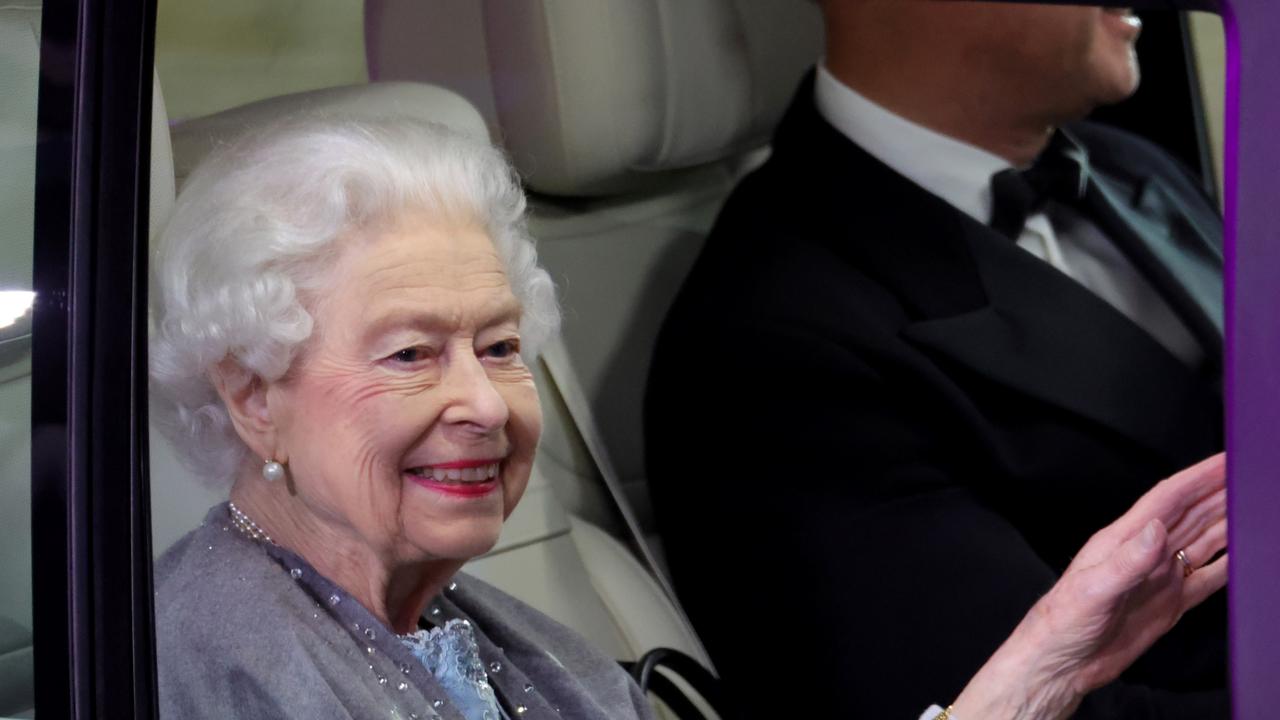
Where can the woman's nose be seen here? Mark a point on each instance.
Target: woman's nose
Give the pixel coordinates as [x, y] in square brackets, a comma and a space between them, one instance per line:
[474, 401]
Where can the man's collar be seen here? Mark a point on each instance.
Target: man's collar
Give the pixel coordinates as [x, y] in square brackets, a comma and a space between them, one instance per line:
[953, 170]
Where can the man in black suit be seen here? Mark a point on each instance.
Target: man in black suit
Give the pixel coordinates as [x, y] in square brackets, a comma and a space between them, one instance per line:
[906, 380]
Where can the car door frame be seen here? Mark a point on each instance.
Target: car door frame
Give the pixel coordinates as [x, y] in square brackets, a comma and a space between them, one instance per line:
[93, 612]
[94, 616]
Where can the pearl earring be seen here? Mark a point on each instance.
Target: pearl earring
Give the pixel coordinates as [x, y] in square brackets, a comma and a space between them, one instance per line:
[272, 471]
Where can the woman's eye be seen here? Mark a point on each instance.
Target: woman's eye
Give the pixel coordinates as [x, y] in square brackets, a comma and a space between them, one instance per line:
[409, 355]
[503, 349]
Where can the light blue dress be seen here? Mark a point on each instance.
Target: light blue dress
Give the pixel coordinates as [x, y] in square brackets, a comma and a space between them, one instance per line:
[451, 655]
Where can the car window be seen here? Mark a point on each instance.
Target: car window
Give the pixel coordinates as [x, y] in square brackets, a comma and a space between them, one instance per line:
[19, 58]
[217, 55]
[1208, 42]
[211, 56]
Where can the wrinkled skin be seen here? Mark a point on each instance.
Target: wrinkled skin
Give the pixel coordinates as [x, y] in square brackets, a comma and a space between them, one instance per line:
[1124, 590]
[414, 361]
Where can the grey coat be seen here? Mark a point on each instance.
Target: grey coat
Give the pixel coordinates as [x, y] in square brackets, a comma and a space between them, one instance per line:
[249, 630]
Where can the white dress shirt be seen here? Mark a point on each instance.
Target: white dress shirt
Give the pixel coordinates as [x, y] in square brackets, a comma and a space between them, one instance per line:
[960, 174]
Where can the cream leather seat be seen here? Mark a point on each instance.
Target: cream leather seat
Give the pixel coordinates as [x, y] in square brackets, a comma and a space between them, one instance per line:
[630, 120]
[19, 64]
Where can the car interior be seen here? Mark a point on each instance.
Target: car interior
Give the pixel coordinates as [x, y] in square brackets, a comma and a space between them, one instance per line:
[629, 122]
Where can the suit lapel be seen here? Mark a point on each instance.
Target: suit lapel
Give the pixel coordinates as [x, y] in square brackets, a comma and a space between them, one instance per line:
[1169, 247]
[1048, 337]
[977, 301]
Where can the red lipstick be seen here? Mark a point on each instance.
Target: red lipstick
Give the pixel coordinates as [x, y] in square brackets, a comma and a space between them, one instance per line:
[467, 490]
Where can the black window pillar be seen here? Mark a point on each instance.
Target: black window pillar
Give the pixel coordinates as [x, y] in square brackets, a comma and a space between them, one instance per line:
[93, 628]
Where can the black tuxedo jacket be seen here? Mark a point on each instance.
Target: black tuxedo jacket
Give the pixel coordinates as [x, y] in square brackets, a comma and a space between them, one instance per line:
[878, 430]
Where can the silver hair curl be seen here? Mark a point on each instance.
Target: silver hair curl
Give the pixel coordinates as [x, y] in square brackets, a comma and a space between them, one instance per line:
[256, 225]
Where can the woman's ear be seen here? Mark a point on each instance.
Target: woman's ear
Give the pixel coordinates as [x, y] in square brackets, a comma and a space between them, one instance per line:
[244, 394]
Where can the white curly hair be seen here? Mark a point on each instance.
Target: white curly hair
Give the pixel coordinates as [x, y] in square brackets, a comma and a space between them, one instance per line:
[257, 224]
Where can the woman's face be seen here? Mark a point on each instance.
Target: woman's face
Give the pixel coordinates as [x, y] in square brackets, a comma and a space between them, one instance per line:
[409, 421]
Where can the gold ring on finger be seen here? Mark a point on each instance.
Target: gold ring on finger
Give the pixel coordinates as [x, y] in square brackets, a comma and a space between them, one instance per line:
[1187, 567]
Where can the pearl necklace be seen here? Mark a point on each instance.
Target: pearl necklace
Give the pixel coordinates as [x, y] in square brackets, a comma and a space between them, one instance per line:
[246, 525]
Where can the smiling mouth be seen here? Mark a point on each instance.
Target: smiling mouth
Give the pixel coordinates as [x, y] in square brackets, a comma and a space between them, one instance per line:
[457, 473]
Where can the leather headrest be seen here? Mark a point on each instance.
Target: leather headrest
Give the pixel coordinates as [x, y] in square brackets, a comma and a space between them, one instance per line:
[194, 139]
[593, 97]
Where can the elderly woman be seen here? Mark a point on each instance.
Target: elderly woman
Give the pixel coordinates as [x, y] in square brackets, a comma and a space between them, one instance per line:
[345, 311]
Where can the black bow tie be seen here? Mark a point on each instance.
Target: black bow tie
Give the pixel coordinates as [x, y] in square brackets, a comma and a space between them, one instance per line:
[1060, 173]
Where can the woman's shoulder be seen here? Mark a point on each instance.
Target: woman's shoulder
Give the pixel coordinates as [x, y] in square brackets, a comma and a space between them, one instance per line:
[234, 630]
[212, 580]
[209, 560]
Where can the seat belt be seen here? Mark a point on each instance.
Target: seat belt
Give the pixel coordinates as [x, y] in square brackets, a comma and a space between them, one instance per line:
[555, 358]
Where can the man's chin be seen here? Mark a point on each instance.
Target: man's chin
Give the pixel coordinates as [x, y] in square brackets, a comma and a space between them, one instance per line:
[1124, 87]
[1115, 83]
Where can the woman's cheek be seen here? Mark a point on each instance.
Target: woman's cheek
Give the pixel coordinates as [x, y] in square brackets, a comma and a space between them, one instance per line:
[380, 421]
[524, 427]
[390, 426]
[526, 412]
